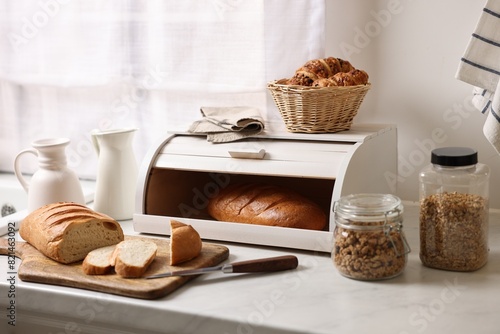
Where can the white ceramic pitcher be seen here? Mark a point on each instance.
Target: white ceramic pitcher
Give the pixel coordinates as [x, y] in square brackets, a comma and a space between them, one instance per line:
[116, 173]
[54, 181]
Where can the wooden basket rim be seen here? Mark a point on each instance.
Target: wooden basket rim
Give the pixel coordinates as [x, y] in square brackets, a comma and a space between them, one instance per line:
[297, 88]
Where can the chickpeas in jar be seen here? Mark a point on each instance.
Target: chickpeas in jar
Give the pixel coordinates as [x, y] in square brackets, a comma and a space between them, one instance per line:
[369, 243]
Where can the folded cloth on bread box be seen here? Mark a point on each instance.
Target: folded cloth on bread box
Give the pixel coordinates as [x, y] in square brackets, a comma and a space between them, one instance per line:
[227, 124]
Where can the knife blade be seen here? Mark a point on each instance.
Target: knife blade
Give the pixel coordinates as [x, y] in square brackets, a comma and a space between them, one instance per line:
[269, 264]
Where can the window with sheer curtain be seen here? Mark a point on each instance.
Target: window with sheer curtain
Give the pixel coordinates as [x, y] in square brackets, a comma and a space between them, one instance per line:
[67, 67]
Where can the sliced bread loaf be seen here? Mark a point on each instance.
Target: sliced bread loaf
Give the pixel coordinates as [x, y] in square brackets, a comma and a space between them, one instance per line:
[66, 232]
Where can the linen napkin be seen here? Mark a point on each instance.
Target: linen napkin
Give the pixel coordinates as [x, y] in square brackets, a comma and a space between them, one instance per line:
[480, 67]
[226, 124]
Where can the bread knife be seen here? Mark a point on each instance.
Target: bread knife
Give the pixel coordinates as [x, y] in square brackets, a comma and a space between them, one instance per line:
[269, 264]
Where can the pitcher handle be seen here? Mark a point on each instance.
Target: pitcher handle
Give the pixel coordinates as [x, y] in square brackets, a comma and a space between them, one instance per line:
[17, 169]
[95, 142]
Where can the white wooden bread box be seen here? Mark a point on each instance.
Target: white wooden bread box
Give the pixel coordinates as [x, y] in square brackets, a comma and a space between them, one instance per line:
[183, 171]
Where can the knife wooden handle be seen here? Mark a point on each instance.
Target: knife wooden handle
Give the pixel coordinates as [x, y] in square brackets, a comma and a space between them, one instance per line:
[266, 265]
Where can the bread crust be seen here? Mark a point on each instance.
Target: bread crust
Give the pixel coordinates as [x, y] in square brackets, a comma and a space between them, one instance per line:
[263, 204]
[59, 231]
[325, 82]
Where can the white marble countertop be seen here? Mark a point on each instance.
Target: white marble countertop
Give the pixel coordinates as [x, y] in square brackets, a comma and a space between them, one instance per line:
[314, 298]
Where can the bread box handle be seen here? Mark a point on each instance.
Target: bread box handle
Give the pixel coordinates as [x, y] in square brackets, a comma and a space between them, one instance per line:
[248, 153]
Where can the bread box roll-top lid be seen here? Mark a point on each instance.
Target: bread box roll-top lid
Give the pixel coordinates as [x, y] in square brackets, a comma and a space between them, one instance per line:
[182, 172]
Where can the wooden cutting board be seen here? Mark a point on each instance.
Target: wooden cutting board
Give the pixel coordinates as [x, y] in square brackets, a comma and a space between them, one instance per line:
[36, 267]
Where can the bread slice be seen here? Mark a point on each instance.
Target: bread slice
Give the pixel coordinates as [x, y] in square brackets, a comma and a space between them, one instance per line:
[132, 257]
[66, 232]
[185, 243]
[98, 261]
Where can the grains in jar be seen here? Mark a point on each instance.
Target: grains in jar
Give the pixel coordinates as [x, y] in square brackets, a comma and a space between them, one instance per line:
[369, 243]
[454, 231]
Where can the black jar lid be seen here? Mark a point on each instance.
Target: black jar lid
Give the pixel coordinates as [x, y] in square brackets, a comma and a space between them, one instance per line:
[454, 156]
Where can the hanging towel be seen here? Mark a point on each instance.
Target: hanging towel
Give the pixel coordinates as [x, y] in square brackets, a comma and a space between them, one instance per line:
[480, 67]
[226, 124]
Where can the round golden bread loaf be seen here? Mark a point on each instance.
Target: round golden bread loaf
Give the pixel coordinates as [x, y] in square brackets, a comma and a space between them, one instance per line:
[263, 204]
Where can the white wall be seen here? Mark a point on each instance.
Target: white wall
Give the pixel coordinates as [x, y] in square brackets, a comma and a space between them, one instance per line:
[412, 49]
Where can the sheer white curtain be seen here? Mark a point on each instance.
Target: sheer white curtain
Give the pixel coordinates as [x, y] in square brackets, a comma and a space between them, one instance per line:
[67, 67]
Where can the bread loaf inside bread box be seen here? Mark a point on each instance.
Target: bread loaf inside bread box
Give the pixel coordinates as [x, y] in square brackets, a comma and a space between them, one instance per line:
[272, 190]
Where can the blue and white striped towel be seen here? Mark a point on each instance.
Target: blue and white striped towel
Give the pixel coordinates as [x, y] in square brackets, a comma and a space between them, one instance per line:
[480, 67]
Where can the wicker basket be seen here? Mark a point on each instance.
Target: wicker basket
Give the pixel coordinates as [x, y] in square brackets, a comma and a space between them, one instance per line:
[317, 109]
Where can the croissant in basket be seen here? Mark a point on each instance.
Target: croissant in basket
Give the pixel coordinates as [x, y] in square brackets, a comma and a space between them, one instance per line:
[351, 78]
[328, 72]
